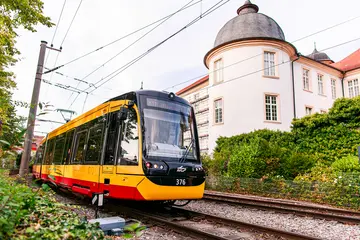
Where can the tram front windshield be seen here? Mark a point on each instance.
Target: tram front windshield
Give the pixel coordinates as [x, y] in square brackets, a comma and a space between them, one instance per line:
[168, 129]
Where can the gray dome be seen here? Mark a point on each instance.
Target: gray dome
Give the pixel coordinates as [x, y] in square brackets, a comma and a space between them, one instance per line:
[249, 24]
[319, 56]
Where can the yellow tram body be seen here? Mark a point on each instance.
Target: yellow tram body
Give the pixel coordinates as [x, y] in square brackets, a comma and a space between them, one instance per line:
[88, 155]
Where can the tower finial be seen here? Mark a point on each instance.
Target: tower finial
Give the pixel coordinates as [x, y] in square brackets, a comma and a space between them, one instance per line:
[248, 7]
[314, 45]
[141, 85]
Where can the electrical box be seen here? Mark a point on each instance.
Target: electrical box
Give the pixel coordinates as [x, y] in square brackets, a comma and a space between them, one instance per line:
[109, 223]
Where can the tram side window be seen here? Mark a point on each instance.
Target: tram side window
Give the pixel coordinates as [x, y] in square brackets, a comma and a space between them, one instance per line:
[111, 140]
[129, 147]
[94, 144]
[68, 144]
[39, 156]
[59, 149]
[80, 145]
[49, 151]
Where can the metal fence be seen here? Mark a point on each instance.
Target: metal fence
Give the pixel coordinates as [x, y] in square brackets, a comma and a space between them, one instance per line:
[343, 190]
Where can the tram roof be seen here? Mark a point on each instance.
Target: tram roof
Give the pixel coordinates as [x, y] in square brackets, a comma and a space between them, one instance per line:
[132, 95]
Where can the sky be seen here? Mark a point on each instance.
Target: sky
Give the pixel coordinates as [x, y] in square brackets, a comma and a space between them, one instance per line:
[179, 59]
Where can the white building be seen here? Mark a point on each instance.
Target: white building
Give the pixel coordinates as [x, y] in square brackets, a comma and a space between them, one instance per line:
[258, 80]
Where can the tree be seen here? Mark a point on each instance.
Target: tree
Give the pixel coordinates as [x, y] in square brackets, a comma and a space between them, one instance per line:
[15, 14]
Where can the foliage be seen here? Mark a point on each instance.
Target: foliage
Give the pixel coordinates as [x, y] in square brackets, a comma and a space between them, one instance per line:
[245, 160]
[14, 14]
[134, 229]
[215, 166]
[262, 153]
[35, 214]
[346, 164]
[332, 135]
[342, 189]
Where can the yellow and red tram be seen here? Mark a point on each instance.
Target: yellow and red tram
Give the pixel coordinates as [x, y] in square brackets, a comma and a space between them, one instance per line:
[141, 145]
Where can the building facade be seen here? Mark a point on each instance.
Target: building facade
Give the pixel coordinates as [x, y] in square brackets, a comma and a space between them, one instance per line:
[258, 80]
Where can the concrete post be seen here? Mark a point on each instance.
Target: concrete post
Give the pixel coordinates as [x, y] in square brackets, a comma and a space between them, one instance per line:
[25, 159]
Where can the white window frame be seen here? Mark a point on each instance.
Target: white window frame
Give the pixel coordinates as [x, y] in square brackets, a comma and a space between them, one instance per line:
[270, 106]
[269, 63]
[353, 88]
[333, 88]
[218, 70]
[320, 78]
[306, 79]
[217, 109]
[308, 110]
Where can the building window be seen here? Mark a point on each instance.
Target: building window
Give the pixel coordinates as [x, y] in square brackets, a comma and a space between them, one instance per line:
[218, 110]
[308, 110]
[269, 64]
[353, 86]
[196, 104]
[271, 108]
[306, 80]
[333, 88]
[218, 71]
[320, 84]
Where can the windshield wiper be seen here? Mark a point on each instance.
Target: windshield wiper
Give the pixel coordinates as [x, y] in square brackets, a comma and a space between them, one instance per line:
[182, 159]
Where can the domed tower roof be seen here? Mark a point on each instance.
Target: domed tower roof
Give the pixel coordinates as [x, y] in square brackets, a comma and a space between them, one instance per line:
[319, 56]
[249, 24]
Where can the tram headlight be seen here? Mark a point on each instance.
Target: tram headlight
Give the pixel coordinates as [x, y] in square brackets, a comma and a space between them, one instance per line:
[159, 167]
[198, 168]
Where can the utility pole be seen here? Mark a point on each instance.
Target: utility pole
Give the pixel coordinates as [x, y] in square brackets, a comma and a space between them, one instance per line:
[25, 159]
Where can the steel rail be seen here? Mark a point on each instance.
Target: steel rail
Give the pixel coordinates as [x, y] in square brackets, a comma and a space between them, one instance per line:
[287, 207]
[114, 206]
[178, 227]
[260, 228]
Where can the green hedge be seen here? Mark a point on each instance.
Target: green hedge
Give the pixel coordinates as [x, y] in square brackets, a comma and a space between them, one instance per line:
[332, 135]
[27, 213]
[343, 189]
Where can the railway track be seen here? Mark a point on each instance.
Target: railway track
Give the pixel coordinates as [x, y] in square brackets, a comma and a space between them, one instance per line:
[205, 226]
[196, 225]
[340, 215]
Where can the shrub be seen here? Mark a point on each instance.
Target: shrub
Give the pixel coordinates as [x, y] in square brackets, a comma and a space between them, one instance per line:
[245, 160]
[330, 135]
[319, 173]
[346, 164]
[35, 214]
[295, 163]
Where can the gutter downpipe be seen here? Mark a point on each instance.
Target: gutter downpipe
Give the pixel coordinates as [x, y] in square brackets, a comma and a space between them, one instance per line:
[342, 84]
[293, 82]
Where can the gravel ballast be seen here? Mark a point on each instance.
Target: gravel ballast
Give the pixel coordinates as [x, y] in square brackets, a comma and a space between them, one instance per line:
[305, 225]
[151, 233]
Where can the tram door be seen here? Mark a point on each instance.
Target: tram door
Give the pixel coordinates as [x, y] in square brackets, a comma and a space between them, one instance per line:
[108, 166]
